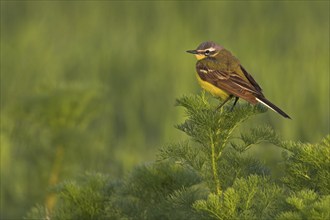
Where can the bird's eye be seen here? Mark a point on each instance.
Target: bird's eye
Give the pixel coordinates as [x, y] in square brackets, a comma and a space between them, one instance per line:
[207, 52]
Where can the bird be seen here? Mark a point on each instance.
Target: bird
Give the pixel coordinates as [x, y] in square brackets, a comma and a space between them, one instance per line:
[221, 73]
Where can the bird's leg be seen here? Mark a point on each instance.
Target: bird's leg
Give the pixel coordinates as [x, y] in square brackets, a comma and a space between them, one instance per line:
[224, 102]
[236, 99]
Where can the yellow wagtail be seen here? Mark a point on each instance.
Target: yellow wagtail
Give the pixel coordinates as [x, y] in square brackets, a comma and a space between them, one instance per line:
[221, 74]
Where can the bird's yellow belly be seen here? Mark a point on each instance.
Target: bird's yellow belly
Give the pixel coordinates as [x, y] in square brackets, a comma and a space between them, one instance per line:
[212, 89]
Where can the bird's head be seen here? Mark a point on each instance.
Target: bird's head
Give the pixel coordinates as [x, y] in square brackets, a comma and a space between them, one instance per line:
[206, 49]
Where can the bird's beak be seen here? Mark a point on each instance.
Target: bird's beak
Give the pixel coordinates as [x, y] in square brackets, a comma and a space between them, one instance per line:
[192, 51]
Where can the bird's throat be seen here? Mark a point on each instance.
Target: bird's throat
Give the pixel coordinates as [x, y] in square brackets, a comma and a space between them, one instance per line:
[200, 56]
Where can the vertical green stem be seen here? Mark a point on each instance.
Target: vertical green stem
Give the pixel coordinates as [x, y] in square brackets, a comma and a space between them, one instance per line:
[214, 167]
[54, 177]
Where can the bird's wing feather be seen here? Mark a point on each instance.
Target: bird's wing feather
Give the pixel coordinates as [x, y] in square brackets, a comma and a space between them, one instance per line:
[250, 78]
[229, 81]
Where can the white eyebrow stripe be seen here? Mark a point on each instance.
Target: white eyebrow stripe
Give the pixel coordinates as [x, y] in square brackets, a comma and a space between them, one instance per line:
[211, 49]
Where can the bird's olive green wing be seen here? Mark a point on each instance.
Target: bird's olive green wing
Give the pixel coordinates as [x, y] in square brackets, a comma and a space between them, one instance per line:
[228, 80]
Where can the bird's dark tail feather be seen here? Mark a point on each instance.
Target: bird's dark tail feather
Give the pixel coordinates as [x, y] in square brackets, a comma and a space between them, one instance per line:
[273, 107]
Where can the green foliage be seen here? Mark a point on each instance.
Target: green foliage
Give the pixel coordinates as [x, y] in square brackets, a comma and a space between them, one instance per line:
[308, 165]
[154, 191]
[85, 199]
[256, 136]
[206, 124]
[211, 176]
[212, 128]
[307, 204]
[254, 197]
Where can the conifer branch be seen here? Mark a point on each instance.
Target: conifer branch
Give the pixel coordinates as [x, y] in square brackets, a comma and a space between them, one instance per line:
[214, 167]
[213, 128]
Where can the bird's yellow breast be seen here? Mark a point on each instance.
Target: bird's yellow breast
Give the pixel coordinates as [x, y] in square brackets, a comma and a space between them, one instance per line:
[212, 89]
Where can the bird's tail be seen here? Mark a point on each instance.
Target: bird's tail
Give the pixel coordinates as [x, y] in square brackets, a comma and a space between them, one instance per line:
[273, 107]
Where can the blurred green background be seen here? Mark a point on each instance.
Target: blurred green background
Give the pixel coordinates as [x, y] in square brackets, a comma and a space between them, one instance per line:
[91, 85]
